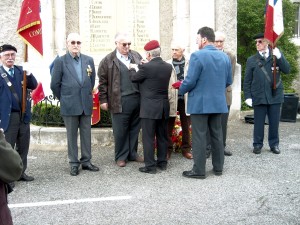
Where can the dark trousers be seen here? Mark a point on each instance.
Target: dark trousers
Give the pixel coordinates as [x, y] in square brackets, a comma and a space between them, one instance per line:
[150, 129]
[5, 215]
[185, 126]
[18, 135]
[126, 127]
[200, 124]
[72, 123]
[260, 113]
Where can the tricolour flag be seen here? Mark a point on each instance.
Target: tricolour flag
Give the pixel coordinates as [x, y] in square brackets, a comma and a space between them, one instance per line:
[30, 24]
[273, 21]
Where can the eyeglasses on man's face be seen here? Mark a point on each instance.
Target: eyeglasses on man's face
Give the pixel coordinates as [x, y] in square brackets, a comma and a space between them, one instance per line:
[8, 55]
[219, 41]
[125, 44]
[76, 42]
[258, 41]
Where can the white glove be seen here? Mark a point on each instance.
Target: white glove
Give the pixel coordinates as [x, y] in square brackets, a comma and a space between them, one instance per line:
[133, 66]
[277, 53]
[26, 67]
[249, 102]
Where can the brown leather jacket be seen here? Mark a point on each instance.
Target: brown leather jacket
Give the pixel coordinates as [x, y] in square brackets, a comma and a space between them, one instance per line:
[109, 80]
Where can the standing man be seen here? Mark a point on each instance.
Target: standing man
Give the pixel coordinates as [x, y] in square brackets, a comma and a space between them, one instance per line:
[10, 170]
[72, 82]
[219, 44]
[154, 78]
[178, 102]
[209, 69]
[15, 124]
[122, 98]
[258, 83]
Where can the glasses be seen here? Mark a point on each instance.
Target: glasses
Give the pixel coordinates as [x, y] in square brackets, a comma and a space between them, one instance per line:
[219, 41]
[76, 42]
[125, 44]
[7, 55]
[259, 41]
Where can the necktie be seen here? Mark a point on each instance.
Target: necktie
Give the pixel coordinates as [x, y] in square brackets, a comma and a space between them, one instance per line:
[76, 58]
[264, 55]
[11, 72]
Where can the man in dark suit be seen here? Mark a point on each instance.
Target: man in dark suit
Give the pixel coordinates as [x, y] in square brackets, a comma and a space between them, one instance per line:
[72, 82]
[258, 83]
[16, 125]
[153, 78]
[209, 69]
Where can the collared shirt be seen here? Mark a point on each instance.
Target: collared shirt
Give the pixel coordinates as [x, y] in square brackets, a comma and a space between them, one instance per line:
[266, 53]
[7, 69]
[124, 59]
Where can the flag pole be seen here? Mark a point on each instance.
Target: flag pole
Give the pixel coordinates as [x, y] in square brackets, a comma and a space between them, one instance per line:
[274, 73]
[24, 87]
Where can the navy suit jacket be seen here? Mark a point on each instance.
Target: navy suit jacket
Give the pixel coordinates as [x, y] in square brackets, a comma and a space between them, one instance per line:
[208, 76]
[75, 96]
[6, 96]
[153, 78]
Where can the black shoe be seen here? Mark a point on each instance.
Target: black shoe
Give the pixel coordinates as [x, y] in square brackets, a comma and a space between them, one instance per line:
[147, 170]
[218, 172]
[192, 174]
[256, 150]
[74, 171]
[90, 167]
[275, 150]
[25, 177]
[162, 166]
[227, 153]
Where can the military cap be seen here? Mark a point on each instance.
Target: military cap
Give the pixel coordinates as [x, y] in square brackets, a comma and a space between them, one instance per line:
[151, 45]
[259, 35]
[7, 47]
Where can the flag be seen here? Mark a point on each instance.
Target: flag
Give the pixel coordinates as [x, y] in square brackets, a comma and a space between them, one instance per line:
[38, 94]
[30, 24]
[273, 21]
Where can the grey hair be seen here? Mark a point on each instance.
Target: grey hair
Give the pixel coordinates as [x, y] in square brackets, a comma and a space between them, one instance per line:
[72, 36]
[122, 36]
[155, 52]
[220, 34]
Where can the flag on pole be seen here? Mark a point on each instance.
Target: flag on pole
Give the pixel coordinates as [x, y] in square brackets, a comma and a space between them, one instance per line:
[30, 24]
[38, 94]
[273, 21]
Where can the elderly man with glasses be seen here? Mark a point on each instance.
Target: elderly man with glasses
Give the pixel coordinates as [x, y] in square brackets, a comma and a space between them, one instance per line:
[260, 94]
[72, 82]
[122, 98]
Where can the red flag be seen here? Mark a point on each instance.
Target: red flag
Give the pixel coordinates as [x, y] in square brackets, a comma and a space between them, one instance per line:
[30, 24]
[273, 21]
[38, 94]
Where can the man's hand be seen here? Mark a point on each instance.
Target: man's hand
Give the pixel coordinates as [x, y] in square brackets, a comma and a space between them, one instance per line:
[277, 53]
[249, 102]
[26, 67]
[104, 106]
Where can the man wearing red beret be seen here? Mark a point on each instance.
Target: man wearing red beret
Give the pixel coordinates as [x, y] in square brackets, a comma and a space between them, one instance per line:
[153, 78]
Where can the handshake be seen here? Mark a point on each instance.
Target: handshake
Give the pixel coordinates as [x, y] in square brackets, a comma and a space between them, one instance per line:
[177, 84]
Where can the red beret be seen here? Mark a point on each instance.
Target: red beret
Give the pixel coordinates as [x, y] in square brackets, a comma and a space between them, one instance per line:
[151, 45]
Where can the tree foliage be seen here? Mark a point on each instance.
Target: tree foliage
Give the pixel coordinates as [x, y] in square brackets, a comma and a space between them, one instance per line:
[250, 17]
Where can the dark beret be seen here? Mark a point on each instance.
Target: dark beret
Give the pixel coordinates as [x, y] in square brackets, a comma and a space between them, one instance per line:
[6, 47]
[151, 45]
[257, 36]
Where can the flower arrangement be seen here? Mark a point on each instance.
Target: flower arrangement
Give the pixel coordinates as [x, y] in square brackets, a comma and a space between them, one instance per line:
[177, 133]
[89, 70]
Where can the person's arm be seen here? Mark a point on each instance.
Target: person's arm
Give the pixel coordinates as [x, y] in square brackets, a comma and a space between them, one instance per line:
[11, 166]
[56, 77]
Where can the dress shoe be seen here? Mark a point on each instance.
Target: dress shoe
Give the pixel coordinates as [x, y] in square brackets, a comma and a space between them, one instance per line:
[90, 167]
[187, 154]
[25, 177]
[218, 172]
[121, 163]
[139, 159]
[227, 152]
[147, 170]
[74, 171]
[192, 174]
[162, 166]
[256, 150]
[275, 150]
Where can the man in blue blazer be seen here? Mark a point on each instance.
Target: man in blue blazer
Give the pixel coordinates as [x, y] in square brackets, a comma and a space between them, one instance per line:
[15, 124]
[208, 75]
[73, 79]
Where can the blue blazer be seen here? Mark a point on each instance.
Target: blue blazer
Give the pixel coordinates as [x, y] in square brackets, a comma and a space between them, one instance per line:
[6, 96]
[75, 96]
[208, 76]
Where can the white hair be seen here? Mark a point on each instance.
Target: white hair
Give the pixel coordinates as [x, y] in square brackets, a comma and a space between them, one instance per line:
[220, 34]
[73, 36]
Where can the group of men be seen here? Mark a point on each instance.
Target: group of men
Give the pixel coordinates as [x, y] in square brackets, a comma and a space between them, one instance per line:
[146, 92]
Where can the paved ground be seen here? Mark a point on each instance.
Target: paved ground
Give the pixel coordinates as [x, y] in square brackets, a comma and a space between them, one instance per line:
[254, 189]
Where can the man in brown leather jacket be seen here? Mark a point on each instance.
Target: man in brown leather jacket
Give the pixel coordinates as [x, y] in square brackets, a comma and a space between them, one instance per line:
[10, 170]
